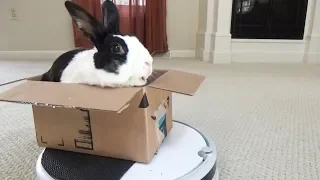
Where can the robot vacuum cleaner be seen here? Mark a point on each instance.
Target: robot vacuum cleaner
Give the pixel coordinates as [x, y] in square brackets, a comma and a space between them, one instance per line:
[186, 154]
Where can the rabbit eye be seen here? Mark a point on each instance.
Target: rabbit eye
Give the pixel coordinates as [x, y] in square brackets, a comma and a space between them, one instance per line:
[116, 48]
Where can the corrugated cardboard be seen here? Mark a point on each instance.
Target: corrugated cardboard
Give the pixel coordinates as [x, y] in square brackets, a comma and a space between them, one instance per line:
[125, 123]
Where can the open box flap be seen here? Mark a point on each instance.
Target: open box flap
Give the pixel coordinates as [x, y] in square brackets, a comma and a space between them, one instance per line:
[69, 95]
[179, 82]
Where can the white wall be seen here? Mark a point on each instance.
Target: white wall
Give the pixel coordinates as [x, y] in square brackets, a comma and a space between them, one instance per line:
[41, 25]
[44, 30]
[202, 28]
[182, 26]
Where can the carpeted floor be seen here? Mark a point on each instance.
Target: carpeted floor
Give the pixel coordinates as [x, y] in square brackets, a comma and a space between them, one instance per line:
[264, 119]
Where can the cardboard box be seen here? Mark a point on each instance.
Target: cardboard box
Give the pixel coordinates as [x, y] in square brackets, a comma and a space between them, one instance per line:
[125, 123]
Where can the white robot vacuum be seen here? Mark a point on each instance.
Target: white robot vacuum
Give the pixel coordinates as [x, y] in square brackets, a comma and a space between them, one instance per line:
[186, 154]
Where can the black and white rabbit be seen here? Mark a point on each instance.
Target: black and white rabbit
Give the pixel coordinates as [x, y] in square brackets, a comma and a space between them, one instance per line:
[116, 60]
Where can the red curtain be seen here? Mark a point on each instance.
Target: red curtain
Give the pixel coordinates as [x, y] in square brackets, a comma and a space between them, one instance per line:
[145, 19]
[156, 26]
[94, 8]
[132, 17]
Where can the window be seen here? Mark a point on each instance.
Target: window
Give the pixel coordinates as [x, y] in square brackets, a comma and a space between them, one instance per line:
[268, 19]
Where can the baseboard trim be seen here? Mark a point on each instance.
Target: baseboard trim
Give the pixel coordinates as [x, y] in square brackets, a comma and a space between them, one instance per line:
[268, 57]
[30, 55]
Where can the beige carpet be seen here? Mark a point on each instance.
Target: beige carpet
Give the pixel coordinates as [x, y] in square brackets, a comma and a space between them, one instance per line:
[264, 119]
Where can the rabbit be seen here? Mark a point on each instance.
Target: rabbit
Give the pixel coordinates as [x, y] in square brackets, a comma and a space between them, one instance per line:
[116, 60]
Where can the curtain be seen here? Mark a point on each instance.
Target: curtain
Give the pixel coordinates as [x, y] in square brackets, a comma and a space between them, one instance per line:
[94, 8]
[132, 17]
[156, 26]
[145, 19]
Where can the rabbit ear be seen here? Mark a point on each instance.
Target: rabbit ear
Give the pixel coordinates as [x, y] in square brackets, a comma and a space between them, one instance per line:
[111, 18]
[88, 25]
